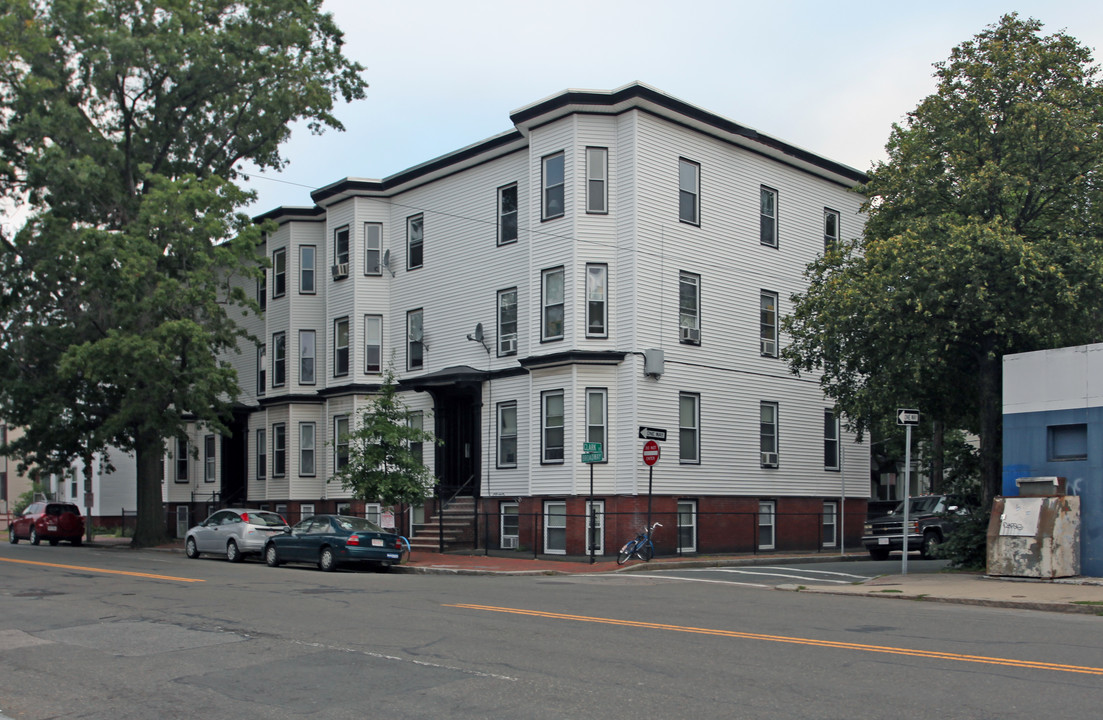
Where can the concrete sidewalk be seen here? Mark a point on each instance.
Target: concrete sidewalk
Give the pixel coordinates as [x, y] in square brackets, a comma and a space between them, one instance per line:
[1070, 595]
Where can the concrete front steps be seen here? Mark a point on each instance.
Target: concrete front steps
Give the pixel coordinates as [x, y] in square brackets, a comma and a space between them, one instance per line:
[458, 525]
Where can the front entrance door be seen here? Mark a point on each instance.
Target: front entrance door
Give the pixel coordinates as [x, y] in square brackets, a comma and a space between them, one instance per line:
[457, 424]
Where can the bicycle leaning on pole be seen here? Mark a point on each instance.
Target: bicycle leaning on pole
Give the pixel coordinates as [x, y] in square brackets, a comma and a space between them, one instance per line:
[641, 546]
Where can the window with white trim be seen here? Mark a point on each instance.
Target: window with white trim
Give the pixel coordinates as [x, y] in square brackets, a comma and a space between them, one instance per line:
[552, 434]
[507, 322]
[507, 214]
[555, 527]
[279, 271]
[415, 340]
[597, 418]
[307, 436]
[341, 347]
[597, 180]
[307, 254]
[341, 246]
[689, 192]
[340, 442]
[209, 459]
[553, 173]
[767, 434]
[830, 523]
[416, 420]
[415, 242]
[509, 529]
[766, 525]
[831, 223]
[373, 343]
[597, 301]
[830, 440]
[552, 307]
[767, 233]
[279, 450]
[373, 249]
[687, 526]
[767, 324]
[689, 308]
[507, 434]
[373, 512]
[306, 510]
[307, 354]
[689, 428]
[595, 526]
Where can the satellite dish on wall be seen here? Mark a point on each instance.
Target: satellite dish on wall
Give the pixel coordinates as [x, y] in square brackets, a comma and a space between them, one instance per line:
[387, 261]
[477, 336]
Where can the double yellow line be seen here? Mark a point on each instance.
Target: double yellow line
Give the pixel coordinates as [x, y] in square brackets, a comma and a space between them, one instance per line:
[104, 571]
[928, 654]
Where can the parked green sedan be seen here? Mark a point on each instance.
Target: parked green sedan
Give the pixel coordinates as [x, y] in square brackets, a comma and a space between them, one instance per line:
[329, 541]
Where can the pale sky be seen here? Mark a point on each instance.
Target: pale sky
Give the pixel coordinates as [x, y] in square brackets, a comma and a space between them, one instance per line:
[828, 76]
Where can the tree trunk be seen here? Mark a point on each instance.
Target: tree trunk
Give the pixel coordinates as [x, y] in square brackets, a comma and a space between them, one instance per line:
[938, 456]
[989, 388]
[151, 526]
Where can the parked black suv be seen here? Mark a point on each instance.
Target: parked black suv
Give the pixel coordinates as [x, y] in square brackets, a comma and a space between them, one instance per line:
[928, 527]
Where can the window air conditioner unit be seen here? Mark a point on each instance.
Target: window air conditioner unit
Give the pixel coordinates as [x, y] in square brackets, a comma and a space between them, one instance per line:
[769, 348]
[509, 542]
[508, 345]
[692, 335]
[769, 460]
[340, 271]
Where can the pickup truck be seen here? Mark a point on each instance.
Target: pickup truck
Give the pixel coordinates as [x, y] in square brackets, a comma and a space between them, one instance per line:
[928, 526]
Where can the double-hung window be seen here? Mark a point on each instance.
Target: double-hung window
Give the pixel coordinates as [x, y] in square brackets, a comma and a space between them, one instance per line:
[554, 184]
[510, 527]
[830, 523]
[689, 308]
[767, 233]
[181, 460]
[341, 252]
[306, 448]
[687, 526]
[307, 254]
[507, 322]
[767, 332]
[308, 351]
[507, 214]
[373, 343]
[507, 434]
[373, 249]
[689, 192]
[279, 272]
[279, 450]
[208, 459]
[340, 442]
[552, 288]
[597, 297]
[415, 242]
[689, 428]
[262, 289]
[279, 359]
[416, 421]
[262, 455]
[766, 525]
[597, 419]
[830, 440]
[553, 429]
[262, 368]
[415, 340]
[767, 434]
[341, 347]
[597, 180]
[830, 228]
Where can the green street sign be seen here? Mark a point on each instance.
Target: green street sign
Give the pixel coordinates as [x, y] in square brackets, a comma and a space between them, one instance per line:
[591, 447]
[593, 457]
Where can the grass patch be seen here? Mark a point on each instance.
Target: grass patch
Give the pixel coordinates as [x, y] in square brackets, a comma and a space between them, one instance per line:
[1088, 602]
[891, 591]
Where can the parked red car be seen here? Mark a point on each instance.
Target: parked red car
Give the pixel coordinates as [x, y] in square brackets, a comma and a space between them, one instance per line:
[53, 521]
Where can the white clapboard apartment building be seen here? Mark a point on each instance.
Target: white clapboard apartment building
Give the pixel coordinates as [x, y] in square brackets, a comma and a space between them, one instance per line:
[617, 261]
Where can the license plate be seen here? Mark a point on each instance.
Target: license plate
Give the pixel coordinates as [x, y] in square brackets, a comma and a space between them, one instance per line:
[52, 528]
[376, 542]
[882, 541]
[392, 556]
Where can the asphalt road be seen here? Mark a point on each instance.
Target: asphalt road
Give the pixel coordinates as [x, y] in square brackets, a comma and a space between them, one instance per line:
[91, 633]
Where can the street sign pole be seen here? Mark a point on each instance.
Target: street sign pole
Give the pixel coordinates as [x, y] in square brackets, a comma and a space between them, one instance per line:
[590, 514]
[907, 494]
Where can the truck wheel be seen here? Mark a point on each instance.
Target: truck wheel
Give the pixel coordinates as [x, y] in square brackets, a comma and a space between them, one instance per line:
[931, 541]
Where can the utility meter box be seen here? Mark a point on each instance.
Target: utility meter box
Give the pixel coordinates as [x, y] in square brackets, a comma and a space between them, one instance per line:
[1037, 534]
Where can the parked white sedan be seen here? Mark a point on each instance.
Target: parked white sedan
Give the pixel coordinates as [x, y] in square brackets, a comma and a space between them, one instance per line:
[237, 532]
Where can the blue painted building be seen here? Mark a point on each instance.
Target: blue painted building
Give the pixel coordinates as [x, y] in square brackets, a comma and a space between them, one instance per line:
[1053, 426]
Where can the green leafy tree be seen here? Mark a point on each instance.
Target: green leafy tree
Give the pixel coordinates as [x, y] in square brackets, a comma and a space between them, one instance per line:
[982, 238]
[123, 124]
[384, 462]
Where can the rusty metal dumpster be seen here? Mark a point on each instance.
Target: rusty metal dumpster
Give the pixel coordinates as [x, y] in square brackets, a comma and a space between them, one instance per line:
[1037, 534]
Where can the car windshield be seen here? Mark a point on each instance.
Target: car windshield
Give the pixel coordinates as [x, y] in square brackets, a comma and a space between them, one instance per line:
[266, 519]
[921, 505]
[355, 524]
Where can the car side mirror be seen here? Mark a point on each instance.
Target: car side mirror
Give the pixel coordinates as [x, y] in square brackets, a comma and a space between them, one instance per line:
[286, 529]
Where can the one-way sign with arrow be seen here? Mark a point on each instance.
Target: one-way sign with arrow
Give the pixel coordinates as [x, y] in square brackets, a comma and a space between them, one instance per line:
[907, 417]
[648, 433]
